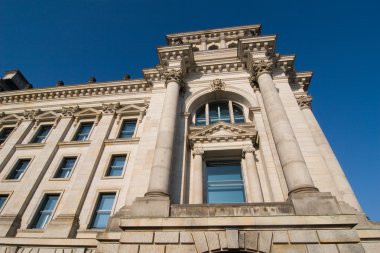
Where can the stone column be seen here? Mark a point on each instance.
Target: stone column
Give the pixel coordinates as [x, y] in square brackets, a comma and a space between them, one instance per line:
[159, 178]
[344, 188]
[293, 164]
[252, 174]
[197, 186]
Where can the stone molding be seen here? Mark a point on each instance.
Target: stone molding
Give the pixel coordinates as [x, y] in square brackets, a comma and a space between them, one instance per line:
[110, 108]
[198, 151]
[304, 102]
[69, 111]
[66, 92]
[217, 85]
[31, 114]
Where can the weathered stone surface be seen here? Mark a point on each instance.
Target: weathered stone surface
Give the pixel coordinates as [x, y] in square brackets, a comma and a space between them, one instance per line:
[315, 203]
[180, 249]
[351, 248]
[371, 247]
[279, 248]
[322, 248]
[265, 241]
[223, 239]
[280, 237]
[212, 240]
[152, 249]
[151, 207]
[200, 241]
[251, 240]
[232, 239]
[108, 248]
[136, 237]
[130, 248]
[79, 250]
[241, 240]
[335, 236]
[303, 236]
[185, 237]
[166, 237]
[13, 249]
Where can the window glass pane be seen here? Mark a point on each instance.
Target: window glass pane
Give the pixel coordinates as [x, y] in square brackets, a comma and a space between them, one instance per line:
[84, 131]
[116, 166]
[3, 198]
[200, 117]
[4, 134]
[46, 209]
[42, 134]
[103, 210]
[238, 113]
[128, 129]
[218, 111]
[19, 169]
[66, 167]
[224, 182]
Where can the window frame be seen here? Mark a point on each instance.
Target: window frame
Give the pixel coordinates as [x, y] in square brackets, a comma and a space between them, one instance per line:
[79, 125]
[95, 204]
[13, 167]
[231, 105]
[205, 181]
[38, 207]
[109, 161]
[8, 194]
[33, 139]
[60, 165]
[2, 131]
[121, 128]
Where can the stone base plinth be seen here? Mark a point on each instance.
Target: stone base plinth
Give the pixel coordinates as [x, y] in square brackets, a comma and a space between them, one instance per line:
[151, 207]
[63, 226]
[314, 203]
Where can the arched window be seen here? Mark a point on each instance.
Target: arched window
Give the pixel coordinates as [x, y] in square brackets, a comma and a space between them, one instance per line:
[225, 111]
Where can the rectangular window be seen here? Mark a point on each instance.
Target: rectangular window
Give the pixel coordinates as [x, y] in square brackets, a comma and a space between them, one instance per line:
[103, 210]
[42, 134]
[45, 211]
[66, 167]
[83, 131]
[224, 182]
[128, 129]
[3, 198]
[19, 169]
[115, 168]
[5, 134]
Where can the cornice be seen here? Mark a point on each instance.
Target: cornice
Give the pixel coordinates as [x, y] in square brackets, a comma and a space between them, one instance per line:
[301, 80]
[180, 56]
[74, 91]
[261, 44]
[217, 66]
[29, 146]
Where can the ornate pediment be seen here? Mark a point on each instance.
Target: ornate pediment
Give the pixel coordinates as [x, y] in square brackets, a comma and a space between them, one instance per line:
[88, 113]
[132, 110]
[47, 116]
[10, 119]
[222, 131]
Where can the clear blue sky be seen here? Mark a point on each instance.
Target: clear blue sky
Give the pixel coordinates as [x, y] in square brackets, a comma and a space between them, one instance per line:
[339, 40]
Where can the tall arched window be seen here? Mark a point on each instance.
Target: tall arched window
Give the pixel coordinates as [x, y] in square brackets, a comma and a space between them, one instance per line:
[225, 111]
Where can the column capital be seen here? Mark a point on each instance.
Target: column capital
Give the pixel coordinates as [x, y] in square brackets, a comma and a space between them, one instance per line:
[304, 102]
[259, 67]
[198, 151]
[249, 149]
[173, 75]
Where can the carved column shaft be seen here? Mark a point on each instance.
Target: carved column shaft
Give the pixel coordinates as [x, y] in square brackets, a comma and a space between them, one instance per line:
[197, 187]
[253, 175]
[296, 173]
[159, 178]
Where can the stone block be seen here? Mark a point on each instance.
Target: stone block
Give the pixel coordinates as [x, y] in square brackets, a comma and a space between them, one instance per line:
[151, 207]
[180, 249]
[280, 248]
[251, 240]
[280, 237]
[241, 240]
[351, 248]
[337, 236]
[212, 240]
[232, 239]
[223, 239]
[166, 237]
[265, 241]
[200, 241]
[136, 237]
[314, 248]
[303, 236]
[371, 247]
[185, 237]
[107, 248]
[63, 226]
[152, 249]
[42, 250]
[130, 248]
[314, 203]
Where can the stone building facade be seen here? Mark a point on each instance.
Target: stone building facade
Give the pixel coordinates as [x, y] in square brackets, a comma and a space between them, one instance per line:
[216, 149]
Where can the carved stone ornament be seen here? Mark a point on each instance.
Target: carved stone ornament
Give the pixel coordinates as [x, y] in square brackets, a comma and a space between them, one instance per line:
[31, 115]
[260, 67]
[110, 108]
[178, 41]
[171, 75]
[218, 84]
[304, 102]
[198, 151]
[248, 150]
[69, 111]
